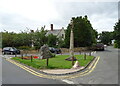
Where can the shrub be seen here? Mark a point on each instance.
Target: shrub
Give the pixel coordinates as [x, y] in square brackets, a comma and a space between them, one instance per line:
[24, 47]
[115, 45]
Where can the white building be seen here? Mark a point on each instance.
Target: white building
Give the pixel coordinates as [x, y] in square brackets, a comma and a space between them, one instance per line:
[58, 32]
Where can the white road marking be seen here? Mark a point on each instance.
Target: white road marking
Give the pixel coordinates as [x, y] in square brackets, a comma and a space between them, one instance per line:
[68, 81]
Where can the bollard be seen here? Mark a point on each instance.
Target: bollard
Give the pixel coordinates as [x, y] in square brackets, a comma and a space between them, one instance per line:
[47, 61]
[31, 58]
[21, 56]
[85, 56]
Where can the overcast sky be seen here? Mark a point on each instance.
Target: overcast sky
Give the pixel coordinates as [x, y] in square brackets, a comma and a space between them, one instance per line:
[16, 15]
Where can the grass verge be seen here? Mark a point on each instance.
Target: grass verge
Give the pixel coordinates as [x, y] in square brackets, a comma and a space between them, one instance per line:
[57, 62]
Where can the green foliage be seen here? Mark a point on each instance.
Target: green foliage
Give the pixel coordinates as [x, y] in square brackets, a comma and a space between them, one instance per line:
[117, 33]
[24, 47]
[61, 43]
[52, 40]
[96, 33]
[15, 40]
[40, 38]
[54, 63]
[0, 39]
[115, 45]
[84, 35]
[23, 40]
[106, 37]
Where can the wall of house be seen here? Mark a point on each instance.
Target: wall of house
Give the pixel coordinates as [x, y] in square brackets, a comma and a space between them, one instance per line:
[62, 34]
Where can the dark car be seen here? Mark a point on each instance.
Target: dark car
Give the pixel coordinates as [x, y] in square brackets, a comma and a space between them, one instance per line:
[99, 46]
[10, 50]
[54, 50]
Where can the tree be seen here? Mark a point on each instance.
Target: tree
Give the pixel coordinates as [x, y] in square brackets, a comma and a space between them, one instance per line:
[40, 37]
[106, 37]
[0, 39]
[7, 39]
[61, 43]
[15, 39]
[52, 40]
[96, 33]
[117, 33]
[84, 35]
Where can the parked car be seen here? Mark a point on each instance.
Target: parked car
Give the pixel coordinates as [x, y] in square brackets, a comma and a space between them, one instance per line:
[10, 50]
[54, 50]
[99, 46]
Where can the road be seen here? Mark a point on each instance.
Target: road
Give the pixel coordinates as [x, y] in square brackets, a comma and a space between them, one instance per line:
[106, 72]
[12, 74]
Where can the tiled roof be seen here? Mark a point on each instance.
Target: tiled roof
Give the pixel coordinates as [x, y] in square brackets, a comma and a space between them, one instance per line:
[54, 32]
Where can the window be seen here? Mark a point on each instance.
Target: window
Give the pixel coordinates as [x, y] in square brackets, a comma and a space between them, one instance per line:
[62, 35]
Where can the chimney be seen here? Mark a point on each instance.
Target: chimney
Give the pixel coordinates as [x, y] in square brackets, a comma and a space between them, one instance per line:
[51, 27]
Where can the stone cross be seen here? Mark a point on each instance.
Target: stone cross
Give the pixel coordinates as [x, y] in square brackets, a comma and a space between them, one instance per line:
[72, 43]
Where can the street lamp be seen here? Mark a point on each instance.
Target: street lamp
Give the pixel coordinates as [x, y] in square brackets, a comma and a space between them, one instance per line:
[72, 42]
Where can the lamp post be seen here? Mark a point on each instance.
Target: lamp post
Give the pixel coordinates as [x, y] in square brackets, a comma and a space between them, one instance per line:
[72, 42]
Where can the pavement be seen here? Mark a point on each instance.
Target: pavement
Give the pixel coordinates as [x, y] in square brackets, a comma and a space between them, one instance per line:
[61, 71]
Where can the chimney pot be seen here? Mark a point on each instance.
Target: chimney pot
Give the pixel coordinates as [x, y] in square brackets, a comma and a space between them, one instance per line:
[51, 27]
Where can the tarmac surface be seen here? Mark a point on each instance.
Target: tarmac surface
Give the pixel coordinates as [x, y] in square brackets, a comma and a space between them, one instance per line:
[105, 72]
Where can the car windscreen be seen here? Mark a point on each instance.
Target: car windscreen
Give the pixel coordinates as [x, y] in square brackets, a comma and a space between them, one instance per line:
[14, 48]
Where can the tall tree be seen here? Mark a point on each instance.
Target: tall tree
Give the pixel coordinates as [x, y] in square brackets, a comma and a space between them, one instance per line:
[106, 37]
[117, 33]
[40, 37]
[52, 40]
[84, 35]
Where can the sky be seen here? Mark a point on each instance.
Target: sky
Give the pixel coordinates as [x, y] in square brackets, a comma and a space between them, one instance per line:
[20, 15]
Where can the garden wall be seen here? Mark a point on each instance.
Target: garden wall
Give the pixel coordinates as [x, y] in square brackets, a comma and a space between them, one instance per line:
[64, 50]
[78, 49]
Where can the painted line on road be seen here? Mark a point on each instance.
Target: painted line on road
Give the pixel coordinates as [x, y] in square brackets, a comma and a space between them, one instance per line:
[25, 68]
[68, 81]
[56, 77]
[91, 69]
[92, 64]
[50, 76]
[87, 71]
